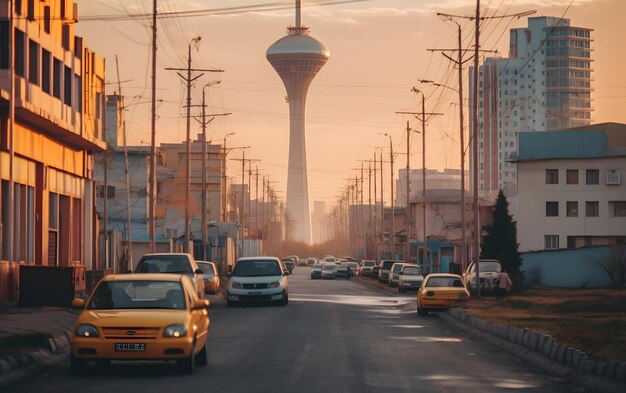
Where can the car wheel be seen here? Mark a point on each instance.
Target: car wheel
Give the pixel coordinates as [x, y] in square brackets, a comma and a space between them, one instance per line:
[421, 312]
[187, 364]
[230, 303]
[285, 300]
[201, 357]
[78, 366]
[400, 289]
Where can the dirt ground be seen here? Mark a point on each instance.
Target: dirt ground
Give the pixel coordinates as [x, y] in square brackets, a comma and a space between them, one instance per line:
[592, 320]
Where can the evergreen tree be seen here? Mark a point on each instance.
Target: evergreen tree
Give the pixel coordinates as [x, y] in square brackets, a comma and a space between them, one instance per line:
[500, 242]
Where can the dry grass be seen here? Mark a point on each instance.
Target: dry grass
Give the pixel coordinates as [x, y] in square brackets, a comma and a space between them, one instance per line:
[592, 320]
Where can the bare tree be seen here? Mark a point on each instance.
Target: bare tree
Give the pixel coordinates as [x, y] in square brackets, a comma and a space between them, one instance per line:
[614, 264]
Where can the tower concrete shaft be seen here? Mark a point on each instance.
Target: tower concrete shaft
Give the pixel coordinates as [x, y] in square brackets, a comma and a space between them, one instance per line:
[297, 58]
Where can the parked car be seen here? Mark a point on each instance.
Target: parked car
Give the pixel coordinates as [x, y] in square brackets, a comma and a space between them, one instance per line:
[366, 267]
[329, 271]
[489, 269]
[410, 278]
[343, 271]
[289, 264]
[375, 272]
[330, 259]
[295, 259]
[141, 317]
[392, 279]
[316, 271]
[210, 276]
[258, 280]
[311, 261]
[354, 268]
[176, 263]
[385, 268]
[441, 291]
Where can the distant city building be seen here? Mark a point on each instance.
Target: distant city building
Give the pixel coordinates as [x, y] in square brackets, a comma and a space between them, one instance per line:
[172, 195]
[572, 190]
[448, 179]
[57, 128]
[544, 85]
[297, 58]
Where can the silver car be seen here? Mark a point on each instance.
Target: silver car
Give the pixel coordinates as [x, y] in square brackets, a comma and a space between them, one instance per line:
[410, 278]
[257, 280]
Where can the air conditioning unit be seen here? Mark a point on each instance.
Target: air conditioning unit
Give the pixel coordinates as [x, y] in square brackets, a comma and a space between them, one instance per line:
[613, 176]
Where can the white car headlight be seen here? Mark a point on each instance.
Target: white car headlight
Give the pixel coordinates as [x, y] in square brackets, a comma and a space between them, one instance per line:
[235, 285]
[274, 284]
[174, 331]
[86, 330]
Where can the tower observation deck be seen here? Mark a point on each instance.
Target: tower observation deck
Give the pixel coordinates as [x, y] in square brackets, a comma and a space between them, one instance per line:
[297, 58]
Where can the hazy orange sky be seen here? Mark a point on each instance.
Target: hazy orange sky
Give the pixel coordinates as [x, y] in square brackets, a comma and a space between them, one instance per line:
[378, 52]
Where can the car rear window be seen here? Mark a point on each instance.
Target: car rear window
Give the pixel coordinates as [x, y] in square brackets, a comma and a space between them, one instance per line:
[164, 264]
[257, 268]
[444, 282]
[206, 268]
[412, 271]
[387, 265]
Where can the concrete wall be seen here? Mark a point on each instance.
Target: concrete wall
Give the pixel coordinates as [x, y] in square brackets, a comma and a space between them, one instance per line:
[574, 268]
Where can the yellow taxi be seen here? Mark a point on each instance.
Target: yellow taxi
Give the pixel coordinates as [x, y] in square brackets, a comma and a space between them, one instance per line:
[141, 317]
[441, 291]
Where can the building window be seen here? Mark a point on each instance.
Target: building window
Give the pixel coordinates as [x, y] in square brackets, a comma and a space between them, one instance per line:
[20, 54]
[593, 176]
[67, 81]
[57, 78]
[552, 209]
[571, 242]
[592, 208]
[551, 242]
[552, 176]
[619, 209]
[572, 208]
[572, 176]
[46, 19]
[110, 192]
[33, 62]
[65, 37]
[45, 70]
[4, 45]
[31, 10]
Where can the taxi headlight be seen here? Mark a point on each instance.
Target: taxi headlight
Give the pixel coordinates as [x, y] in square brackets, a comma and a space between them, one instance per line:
[274, 284]
[174, 331]
[86, 330]
[235, 285]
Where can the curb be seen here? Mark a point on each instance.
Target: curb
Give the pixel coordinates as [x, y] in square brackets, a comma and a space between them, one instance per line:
[544, 352]
[16, 368]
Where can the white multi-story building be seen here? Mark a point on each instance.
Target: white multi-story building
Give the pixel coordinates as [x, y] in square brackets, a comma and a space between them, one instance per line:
[544, 85]
[572, 191]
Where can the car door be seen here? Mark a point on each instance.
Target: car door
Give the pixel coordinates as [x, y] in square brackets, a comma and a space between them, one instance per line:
[200, 318]
[198, 279]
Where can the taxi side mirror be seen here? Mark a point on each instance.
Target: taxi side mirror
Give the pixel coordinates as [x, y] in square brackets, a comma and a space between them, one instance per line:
[78, 303]
[200, 304]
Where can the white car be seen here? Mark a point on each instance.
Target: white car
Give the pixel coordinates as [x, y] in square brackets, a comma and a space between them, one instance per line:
[488, 274]
[258, 280]
[410, 278]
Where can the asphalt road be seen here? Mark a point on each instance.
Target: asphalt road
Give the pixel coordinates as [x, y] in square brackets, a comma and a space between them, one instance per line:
[334, 336]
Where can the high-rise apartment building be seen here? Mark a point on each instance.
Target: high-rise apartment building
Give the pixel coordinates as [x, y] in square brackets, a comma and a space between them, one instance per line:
[544, 84]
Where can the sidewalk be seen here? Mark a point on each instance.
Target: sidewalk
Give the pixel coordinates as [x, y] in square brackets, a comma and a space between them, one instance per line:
[32, 339]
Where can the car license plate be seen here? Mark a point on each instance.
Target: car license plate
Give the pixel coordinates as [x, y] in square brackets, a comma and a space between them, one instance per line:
[130, 347]
[255, 293]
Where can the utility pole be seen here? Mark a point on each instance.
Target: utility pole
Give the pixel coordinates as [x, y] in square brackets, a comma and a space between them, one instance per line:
[204, 123]
[392, 246]
[422, 117]
[241, 211]
[224, 186]
[152, 197]
[189, 80]
[375, 228]
[128, 215]
[382, 204]
[256, 210]
[11, 131]
[407, 252]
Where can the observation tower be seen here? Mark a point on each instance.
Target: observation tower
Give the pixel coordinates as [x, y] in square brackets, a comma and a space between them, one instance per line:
[297, 58]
